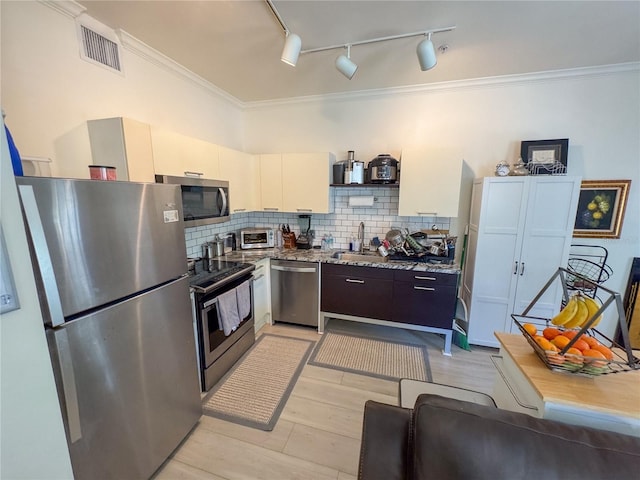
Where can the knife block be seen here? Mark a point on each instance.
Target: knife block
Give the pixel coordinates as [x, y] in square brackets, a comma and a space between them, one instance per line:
[289, 240]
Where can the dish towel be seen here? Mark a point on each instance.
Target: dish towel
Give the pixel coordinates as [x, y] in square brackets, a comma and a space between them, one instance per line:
[243, 292]
[228, 318]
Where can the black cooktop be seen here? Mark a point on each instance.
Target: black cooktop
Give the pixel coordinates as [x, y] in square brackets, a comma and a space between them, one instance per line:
[216, 272]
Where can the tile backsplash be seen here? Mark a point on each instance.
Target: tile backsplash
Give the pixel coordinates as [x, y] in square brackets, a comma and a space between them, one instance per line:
[342, 224]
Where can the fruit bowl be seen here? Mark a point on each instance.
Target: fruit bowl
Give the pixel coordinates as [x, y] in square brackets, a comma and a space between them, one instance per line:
[569, 359]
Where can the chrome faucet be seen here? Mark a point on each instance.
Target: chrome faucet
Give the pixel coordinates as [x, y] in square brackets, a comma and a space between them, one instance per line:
[361, 236]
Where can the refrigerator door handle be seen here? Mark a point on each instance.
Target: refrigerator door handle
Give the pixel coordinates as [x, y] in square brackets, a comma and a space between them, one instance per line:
[42, 253]
[68, 378]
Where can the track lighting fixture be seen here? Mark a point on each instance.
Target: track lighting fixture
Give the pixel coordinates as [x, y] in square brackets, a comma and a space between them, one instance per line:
[345, 66]
[292, 42]
[291, 50]
[292, 47]
[426, 54]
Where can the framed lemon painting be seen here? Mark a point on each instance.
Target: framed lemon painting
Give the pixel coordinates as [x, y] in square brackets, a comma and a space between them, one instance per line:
[601, 208]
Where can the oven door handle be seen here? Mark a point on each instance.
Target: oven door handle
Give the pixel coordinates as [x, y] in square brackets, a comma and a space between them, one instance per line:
[208, 303]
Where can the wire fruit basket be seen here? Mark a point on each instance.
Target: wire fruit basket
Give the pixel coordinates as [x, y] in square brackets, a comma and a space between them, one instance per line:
[560, 360]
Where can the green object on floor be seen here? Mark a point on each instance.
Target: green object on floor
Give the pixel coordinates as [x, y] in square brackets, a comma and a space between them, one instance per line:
[459, 336]
[460, 321]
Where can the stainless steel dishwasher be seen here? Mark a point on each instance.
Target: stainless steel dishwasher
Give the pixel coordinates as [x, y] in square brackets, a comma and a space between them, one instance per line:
[294, 292]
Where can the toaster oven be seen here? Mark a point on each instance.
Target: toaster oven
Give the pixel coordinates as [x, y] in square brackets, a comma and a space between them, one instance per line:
[257, 238]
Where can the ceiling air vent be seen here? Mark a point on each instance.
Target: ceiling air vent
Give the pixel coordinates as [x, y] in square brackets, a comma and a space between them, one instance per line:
[100, 49]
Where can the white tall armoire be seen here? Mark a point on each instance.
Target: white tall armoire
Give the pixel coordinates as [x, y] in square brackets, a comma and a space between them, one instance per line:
[520, 232]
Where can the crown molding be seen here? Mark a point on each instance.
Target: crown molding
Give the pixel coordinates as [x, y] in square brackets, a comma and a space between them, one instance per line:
[73, 9]
[144, 51]
[492, 82]
[68, 8]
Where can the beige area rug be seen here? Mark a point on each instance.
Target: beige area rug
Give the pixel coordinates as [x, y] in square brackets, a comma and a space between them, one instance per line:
[372, 356]
[255, 390]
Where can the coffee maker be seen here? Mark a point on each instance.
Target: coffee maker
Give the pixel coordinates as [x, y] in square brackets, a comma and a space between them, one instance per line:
[305, 239]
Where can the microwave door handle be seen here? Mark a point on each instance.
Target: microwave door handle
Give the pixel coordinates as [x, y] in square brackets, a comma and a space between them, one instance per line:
[224, 201]
[43, 256]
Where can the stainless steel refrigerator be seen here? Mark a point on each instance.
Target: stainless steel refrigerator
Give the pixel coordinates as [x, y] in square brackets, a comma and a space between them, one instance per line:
[112, 279]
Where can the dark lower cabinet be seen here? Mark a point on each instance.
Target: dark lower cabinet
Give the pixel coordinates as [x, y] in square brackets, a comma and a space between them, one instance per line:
[358, 291]
[405, 296]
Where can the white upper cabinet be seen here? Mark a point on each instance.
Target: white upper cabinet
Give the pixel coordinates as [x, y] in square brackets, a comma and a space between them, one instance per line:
[271, 182]
[306, 178]
[179, 155]
[430, 181]
[242, 172]
[125, 144]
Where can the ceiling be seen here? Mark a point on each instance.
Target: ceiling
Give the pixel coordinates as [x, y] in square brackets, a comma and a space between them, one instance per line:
[236, 45]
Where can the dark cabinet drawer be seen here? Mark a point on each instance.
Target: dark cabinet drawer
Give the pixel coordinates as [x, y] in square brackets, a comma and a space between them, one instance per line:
[428, 305]
[427, 277]
[358, 291]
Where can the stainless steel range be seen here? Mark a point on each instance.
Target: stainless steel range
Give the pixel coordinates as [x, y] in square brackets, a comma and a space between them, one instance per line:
[221, 342]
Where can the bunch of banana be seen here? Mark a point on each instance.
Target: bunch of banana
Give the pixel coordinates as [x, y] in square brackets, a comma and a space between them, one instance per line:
[578, 310]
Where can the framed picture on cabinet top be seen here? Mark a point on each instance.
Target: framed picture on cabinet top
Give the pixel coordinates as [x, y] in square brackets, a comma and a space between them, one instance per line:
[601, 207]
[545, 157]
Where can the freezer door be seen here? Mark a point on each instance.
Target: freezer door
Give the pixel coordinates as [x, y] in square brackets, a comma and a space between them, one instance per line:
[104, 240]
[128, 383]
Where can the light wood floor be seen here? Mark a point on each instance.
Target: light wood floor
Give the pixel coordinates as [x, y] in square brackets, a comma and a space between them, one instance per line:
[318, 433]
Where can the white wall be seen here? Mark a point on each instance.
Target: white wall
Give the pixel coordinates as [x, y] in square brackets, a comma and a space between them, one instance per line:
[49, 92]
[597, 110]
[32, 438]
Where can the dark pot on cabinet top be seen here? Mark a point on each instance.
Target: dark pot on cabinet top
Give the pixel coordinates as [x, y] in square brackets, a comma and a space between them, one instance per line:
[383, 169]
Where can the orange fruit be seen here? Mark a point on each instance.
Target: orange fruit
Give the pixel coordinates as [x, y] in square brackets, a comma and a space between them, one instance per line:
[591, 341]
[574, 356]
[608, 354]
[544, 343]
[530, 328]
[591, 357]
[550, 333]
[560, 341]
[569, 334]
[581, 345]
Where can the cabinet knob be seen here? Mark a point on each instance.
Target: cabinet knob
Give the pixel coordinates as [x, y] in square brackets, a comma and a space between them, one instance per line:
[351, 280]
[515, 268]
[430, 289]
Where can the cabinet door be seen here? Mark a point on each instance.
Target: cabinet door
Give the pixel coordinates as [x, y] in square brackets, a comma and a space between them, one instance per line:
[168, 152]
[305, 181]
[271, 182]
[138, 151]
[546, 240]
[262, 294]
[495, 239]
[241, 171]
[430, 182]
[358, 291]
[125, 144]
[178, 155]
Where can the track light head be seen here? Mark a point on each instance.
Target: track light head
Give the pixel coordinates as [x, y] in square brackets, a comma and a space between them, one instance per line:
[426, 54]
[291, 50]
[345, 66]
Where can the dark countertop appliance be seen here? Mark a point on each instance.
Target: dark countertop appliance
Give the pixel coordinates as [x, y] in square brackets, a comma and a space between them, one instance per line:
[383, 169]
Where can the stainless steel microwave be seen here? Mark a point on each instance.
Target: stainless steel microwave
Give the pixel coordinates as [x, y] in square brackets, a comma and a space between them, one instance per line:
[203, 201]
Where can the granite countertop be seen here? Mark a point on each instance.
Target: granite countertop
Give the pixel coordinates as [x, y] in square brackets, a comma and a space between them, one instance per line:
[323, 256]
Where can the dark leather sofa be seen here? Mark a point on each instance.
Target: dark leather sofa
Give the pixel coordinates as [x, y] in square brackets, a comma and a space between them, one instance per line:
[447, 439]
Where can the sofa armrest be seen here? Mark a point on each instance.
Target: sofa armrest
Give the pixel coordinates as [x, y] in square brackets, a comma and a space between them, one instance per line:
[385, 439]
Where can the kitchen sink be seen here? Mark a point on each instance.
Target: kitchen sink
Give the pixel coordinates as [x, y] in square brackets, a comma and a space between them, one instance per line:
[360, 257]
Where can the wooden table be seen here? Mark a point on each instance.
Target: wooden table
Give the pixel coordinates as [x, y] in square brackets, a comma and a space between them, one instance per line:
[524, 383]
